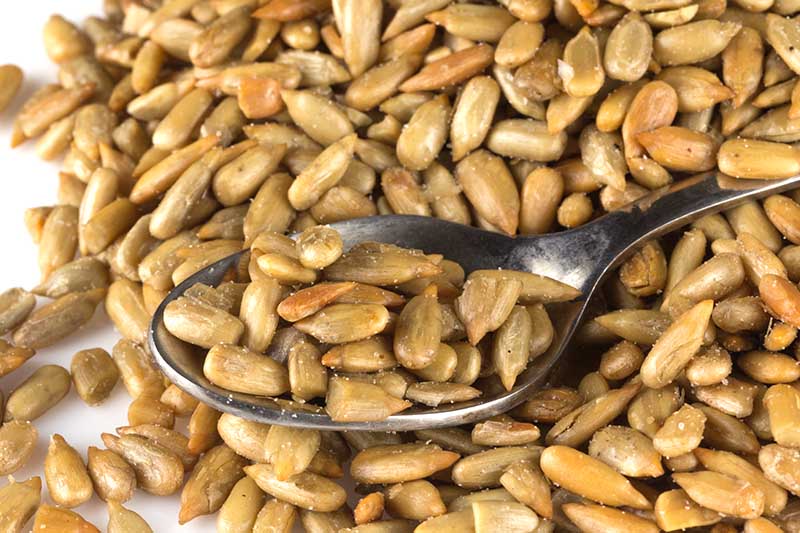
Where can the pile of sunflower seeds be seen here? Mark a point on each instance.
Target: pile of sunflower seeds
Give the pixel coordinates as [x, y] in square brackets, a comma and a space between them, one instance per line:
[428, 351]
[191, 129]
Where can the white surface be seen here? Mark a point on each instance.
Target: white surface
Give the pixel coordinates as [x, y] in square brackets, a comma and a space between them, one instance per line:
[26, 182]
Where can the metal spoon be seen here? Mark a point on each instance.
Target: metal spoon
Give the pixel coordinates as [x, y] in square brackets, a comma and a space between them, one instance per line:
[580, 257]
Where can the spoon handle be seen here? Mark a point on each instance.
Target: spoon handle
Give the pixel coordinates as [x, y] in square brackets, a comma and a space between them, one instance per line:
[682, 202]
[599, 246]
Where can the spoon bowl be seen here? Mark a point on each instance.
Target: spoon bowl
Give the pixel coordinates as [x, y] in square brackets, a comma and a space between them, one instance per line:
[580, 257]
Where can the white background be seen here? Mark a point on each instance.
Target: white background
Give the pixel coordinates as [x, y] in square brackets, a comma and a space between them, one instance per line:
[25, 181]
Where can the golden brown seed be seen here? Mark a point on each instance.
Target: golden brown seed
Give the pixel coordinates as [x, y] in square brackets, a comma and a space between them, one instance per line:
[769, 367]
[19, 501]
[359, 22]
[622, 360]
[275, 516]
[680, 149]
[147, 410]
[645, 273]
[340, 323]
[17, 442]
[655, 105]
[63, 41]
[15, 306]
[12, 357]
[322, 174]
[511, 346]
[239, 369]
[203, 433]
[113, 478]
[681, 432]
[783, 36]
[781, 298]
[722, 493]
[781, 465]
[414, 500]
[319, 247]
[307, 377]
[305, 490]
[239, 179]
[519, 44]
[783, 213]
[419, 330]
[400, 463]
[709, 366]
[485, 304]
[51, 519]
[110, 222]
[577, 426]
[486, 468]
[676, 346]
[42, 390]
[597, 481]
[424, 135]
[211, 482]
[754, 159]
[10, 80]
[124, 520]
[490, 188]
[575, 210]
[737, 467]
[781, 402]
[349, 400]
[504, 432]
[590, 517]
[258, 313]
[532, 140]
[308, 301]
[239, 512]
[95, 374]
[369, 508]
[451, 69]
[403, 193]
[305, 107]
[674, 510]
[199, 323]
[138, 371]
[707, 38]
[582, 68]
[158, 470]
[161, 176]
[627, 451]
[59, 239]
[433, 393]
[541, 195]
[474, 22]
[125, 306]
[290, 450]
[627, 52]
[67, 478]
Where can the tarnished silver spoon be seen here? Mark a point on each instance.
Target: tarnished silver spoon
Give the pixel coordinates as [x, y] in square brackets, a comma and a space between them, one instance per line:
[580, 257]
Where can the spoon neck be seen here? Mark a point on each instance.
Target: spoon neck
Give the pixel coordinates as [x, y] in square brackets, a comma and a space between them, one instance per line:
[583, 256]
